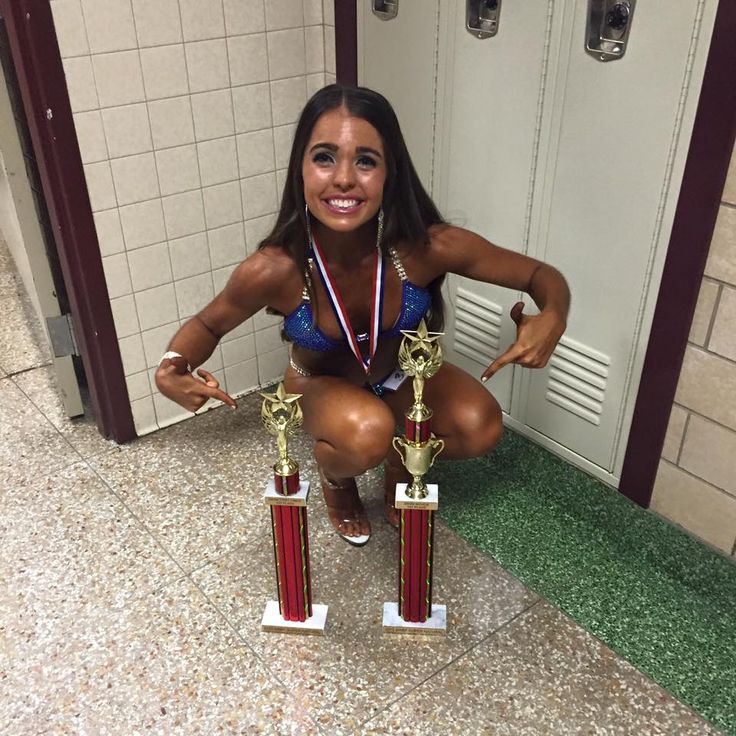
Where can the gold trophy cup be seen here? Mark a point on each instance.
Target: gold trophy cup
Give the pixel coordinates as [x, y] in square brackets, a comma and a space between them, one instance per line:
[420, 356]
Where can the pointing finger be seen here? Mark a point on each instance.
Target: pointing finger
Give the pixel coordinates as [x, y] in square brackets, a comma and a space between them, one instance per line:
[508, 357]
[216, 393]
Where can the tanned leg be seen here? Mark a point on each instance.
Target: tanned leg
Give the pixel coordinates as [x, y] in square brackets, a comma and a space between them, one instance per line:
[352, 431]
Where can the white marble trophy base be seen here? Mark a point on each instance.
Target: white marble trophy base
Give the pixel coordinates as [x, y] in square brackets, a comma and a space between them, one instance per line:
[273, 622]
[429, 503]
[273, 498]
[394, 624]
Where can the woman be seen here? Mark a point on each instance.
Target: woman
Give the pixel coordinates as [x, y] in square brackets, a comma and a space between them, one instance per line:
[358, 253]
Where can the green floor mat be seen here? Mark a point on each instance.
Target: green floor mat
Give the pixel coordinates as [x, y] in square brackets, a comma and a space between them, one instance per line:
[657, 597]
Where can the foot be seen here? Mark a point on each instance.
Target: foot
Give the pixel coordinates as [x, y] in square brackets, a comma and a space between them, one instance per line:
[393, 474]
[345, 509]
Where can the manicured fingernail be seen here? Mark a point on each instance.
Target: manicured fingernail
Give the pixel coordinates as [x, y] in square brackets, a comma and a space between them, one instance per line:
[483, 379]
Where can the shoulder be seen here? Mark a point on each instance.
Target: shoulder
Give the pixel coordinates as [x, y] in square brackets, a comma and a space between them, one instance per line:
[446, 239]
[266, 272]
[447, 249]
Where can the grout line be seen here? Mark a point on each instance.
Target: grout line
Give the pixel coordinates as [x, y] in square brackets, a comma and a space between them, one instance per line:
[705, 350]
[682, 439]
[713, 316]
[706, 417]
[11, 374]
[722, 491]
[453, 661]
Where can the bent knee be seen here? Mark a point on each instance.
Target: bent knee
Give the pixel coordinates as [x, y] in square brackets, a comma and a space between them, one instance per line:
[366, 438]
[480, 429]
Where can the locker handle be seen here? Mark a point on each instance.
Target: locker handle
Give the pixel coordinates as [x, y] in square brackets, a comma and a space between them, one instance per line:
[386, 9]
[482, 17]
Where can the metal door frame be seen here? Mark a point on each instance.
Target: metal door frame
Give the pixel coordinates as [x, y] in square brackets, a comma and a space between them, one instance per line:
[45, 99]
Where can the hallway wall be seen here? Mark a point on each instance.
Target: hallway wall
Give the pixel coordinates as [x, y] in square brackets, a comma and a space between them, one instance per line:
[184, 111]
[696, 481]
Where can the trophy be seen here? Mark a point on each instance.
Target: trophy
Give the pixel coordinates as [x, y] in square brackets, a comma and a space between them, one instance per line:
[420, 356]
[286, 495]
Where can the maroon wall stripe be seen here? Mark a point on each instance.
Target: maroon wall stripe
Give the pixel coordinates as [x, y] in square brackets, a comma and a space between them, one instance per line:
[346, 41]
[697, 209]
[43, 87]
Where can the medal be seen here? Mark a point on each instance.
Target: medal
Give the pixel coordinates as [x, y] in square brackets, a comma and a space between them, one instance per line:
[339, 308]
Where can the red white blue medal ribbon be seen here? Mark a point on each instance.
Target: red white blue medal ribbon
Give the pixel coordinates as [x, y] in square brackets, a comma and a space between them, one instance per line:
[340, 311]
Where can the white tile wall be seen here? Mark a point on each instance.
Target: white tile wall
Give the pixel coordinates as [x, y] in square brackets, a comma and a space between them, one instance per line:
[185, 111]
[70, 30]
[172, 122]
[312, 12]
[109, 25]
[218, 161]
[99, 186]
[248, 58]
[244, 16]
[183, 214]
[178, 169]
[189, 256]
[164, 71]
[252, 105]
[207, 65]
[284, 14]
[142, 224]
[256, 153]
[90, 136]
[202, 19]
[156, 306]
[135, 178]
[157, 22]
[109, 232]
[127, 130]
[222, 205]
[213, 115]
[80, 84]
[286, 55]
[227, 245]
[149, 266]
[125, 315]
[119, 78]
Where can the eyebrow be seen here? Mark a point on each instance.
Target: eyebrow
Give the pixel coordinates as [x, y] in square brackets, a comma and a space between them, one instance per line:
[332, 147]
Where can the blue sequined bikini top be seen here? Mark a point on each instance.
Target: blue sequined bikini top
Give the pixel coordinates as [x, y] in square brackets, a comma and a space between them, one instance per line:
[299, 326]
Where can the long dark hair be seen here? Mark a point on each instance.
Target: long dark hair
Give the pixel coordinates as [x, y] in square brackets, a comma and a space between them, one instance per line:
[408, 210]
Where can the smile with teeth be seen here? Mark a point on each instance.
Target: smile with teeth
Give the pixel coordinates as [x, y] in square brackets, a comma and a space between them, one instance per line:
[343, 204]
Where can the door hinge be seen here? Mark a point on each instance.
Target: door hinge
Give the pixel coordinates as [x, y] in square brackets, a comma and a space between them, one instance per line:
[61, 334]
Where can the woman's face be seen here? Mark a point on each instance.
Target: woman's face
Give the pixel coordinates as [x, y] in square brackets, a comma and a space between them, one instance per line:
[344, 170]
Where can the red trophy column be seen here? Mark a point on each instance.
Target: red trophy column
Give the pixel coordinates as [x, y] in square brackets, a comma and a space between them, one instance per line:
[420, 356]
[286, 495]
[417, 537]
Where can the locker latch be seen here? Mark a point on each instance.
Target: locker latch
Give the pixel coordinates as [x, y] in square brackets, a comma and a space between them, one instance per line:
[386, 9]
[609, 22]
[482, 17]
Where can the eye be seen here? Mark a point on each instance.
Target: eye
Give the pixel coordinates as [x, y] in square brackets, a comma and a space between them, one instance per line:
[322, 157]
[366, 162]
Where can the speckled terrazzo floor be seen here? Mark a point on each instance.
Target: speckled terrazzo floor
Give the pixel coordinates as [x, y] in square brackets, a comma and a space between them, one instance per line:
[132, 582]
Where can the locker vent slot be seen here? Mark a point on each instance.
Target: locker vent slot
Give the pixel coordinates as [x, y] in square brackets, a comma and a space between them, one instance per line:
[477, 327]
[578, 377]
